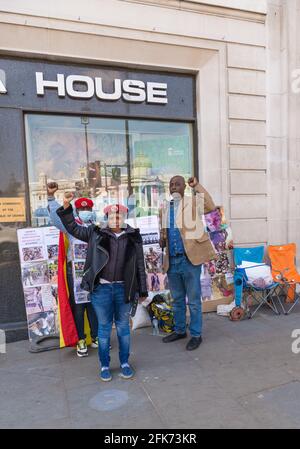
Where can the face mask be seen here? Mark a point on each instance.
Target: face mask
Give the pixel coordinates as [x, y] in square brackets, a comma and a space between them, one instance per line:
[86, 215]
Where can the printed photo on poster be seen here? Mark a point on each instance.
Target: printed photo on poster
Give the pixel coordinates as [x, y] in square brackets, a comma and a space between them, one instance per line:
[42, 324]
[32, 254]
[206, 283]
[47, 297]
[52, 252]
[54, 293]
[77, 288]
[53, 271]
[79, 265]
[79, 274]
[80, 250]
[153, 258]
[35, 274]
[81, 296]
[150, 238]
[218, 239]
[157, 282]
[33, 300]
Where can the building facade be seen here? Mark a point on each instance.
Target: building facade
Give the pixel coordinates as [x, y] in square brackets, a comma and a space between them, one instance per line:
[232, 73]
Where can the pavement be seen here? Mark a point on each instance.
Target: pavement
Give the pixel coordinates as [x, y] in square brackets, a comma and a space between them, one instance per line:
[244, 375]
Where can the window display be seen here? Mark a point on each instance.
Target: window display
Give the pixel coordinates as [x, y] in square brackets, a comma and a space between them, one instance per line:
[105, 159]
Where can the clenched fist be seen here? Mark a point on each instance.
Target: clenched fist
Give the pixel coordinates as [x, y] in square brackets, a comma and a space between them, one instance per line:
[68, 197]
[52, 187]
[192, 182]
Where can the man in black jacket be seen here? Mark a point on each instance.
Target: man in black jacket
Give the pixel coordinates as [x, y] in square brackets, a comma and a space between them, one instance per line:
[114, 274]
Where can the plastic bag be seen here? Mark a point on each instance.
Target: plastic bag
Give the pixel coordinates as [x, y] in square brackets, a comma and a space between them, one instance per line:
[141, 318]
[225, 309]
[258, 275]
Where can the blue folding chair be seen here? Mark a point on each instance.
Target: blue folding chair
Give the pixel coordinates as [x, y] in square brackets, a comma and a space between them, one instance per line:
[261, 295]
[254, 254]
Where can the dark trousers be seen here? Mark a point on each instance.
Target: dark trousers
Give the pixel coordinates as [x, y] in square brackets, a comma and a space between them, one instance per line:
[79, 309]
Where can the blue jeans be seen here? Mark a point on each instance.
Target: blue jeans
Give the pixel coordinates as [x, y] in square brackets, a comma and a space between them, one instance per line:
[109, 305]
[184, 280]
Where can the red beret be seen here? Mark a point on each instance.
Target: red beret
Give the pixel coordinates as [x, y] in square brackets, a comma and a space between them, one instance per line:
[115, 208]
[83, 202]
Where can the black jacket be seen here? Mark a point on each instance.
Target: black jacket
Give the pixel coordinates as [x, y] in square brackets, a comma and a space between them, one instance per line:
[98, 255]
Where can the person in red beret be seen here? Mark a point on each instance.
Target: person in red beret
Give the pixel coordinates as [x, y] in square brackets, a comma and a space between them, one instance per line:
[114, 275]
[84, 216]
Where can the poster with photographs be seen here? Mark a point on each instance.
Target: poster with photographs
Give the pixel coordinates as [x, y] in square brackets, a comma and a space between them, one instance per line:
[79, 250]
[217, 275]
[157, 281]
[38, 250]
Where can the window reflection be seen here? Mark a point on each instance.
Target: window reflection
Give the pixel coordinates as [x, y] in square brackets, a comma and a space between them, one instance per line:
[159, 150]
[105, 159]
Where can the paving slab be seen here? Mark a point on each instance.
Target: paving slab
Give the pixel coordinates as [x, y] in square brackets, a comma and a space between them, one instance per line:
[29, 400]
[198, 403]
[280, 404]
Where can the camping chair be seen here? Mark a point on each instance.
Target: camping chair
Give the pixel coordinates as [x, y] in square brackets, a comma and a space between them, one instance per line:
[261, 295]
[285, 273]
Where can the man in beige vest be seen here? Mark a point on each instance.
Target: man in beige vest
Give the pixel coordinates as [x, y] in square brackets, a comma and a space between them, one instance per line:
[187, 247]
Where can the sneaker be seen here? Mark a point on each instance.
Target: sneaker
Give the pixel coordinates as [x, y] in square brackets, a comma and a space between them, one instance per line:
[105, 374]
[95, 343]
[82, 350]
[126, 371]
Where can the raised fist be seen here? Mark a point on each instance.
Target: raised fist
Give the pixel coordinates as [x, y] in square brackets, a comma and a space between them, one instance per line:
[52, 187]
[192, 182]
[68, 197]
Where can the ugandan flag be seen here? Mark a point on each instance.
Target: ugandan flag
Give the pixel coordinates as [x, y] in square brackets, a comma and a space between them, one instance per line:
[68, 332]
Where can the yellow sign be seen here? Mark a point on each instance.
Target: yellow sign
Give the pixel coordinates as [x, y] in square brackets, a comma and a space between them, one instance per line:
[12, 210]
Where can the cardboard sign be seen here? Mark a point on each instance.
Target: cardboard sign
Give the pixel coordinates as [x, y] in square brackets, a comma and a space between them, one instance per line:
[12, 210]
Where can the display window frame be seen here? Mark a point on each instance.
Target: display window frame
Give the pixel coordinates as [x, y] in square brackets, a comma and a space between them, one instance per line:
[194, 142]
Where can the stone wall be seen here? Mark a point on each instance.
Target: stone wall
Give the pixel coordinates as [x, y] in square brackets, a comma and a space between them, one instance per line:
[242, 53]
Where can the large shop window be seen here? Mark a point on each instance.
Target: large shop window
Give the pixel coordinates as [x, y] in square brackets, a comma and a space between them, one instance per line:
[108, 160]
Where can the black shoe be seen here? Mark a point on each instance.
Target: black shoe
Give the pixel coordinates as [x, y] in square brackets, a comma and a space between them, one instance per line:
[173, 337]
[194, 343]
